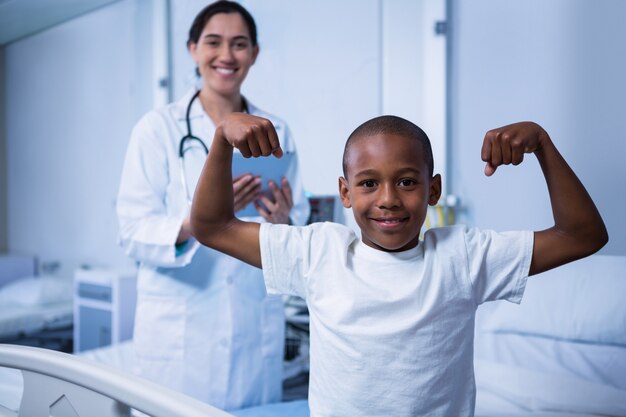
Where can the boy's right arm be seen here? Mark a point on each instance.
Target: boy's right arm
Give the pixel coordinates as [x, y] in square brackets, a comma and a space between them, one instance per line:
[213, 221]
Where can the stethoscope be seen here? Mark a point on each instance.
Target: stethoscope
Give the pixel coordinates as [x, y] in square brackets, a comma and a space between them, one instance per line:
[189, 137]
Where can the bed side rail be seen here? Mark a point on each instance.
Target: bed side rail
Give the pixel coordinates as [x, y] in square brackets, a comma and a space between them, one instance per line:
[5, 412]
[64, 385]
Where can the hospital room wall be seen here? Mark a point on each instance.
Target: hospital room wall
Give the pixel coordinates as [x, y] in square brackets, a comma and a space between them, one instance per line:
[78, 88]
[3, 161]
[327, 66]
[321, 90]
[560, 63]
[75, 91]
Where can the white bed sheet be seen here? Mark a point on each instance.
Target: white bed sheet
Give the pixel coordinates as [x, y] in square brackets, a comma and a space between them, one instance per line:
[505, 390]
[16, 319]
[35, 303]
[603, 364]
[298, 408]
[509, 391]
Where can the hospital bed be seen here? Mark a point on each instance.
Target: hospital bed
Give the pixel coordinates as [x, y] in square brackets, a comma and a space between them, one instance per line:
[561, 353]
[37, 311]
[62, 385]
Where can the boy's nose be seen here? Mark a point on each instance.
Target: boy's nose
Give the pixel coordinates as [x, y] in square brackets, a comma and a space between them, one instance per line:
[388, 197]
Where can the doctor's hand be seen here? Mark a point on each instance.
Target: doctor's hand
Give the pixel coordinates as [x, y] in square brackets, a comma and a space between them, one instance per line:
[276, 209]
[246, 189]
[252, 135]
[184, 233]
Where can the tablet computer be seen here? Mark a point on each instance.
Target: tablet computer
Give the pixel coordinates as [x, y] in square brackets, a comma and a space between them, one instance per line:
[267, 167]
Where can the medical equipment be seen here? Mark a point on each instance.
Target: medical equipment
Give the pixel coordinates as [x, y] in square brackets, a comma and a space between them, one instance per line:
[188, 141]
[325, 208]
[104, 306]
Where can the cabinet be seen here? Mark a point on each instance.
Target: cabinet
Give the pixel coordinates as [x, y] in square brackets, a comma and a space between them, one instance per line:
[104, 306]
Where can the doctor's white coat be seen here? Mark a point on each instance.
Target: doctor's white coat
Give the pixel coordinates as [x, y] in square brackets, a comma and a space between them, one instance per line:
[204, 324]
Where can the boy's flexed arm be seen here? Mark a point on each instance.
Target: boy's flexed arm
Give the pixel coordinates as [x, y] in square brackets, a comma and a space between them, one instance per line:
[578, 229]
[213, 222]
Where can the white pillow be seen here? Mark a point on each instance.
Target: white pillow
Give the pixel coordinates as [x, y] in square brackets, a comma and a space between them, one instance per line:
[39, 290]
[584, 301]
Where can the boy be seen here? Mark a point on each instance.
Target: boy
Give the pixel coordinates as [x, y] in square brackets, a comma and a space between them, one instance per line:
[392, 317]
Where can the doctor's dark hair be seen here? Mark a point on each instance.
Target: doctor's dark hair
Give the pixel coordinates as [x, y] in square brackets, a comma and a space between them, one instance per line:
[391, 125]
[221, 6]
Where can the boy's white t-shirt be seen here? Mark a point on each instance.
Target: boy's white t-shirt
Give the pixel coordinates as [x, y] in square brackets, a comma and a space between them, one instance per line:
[392, 332]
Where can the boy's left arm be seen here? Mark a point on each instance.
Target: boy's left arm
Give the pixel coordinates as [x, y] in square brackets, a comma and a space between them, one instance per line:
[578, 229]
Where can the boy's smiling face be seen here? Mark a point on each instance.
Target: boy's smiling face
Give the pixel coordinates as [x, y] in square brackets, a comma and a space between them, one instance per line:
[389, 188]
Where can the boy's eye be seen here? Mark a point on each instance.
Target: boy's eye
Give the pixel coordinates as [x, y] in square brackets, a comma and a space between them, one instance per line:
[406, 182]
[368, 183]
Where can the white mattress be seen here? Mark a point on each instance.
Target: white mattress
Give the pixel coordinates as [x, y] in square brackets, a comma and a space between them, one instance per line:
[509, 391]
[505, 391]
[16, 319]
[603, 364]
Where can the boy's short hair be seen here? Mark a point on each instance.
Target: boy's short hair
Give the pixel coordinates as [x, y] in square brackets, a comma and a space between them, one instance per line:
[391, 125]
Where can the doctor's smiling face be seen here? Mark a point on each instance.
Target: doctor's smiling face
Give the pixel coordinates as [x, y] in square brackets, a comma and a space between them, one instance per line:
[388, 182]
[224, 53]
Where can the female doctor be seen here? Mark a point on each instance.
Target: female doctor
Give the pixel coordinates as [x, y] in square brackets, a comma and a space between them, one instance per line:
[204, 324]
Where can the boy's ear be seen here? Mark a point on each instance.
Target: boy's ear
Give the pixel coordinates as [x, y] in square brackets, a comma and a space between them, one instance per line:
[344, 192]
[435, 190]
